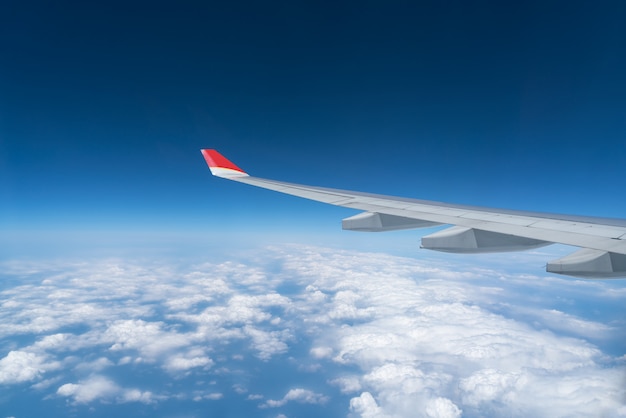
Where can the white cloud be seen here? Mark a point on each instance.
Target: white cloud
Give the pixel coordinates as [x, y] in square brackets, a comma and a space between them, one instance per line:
[487, 385]
[53, 341]
[347, 384]
[321, 352]
[430, 343]
[148, 338]
[239, 389]
[365, 406]
[97, 387]
[442, 408]
[101, 388]
[297, 395]
[23, 366]
[267, 343]
[562, 321]
[135, 395]
[179, 363]
[403, 337]
[216, 396]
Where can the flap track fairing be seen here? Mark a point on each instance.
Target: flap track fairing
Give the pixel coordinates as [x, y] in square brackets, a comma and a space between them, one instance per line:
[378, 222]
[589, 263]
[471, 241]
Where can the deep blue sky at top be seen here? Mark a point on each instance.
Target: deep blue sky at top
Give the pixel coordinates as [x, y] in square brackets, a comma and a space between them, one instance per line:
[105, 105]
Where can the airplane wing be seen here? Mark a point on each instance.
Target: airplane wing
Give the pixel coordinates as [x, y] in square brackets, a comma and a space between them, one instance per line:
[602, 241]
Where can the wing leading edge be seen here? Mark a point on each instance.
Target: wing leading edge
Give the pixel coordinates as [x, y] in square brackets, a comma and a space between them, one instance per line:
[474, 229]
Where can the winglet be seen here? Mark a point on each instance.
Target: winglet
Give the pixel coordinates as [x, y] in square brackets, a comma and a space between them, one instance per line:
[220, 166]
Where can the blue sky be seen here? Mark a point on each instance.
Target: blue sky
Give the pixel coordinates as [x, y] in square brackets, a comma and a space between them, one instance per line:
[132, 282]
[105, 106]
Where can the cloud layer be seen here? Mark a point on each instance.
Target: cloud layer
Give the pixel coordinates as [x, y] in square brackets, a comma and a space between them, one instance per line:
[398, 337]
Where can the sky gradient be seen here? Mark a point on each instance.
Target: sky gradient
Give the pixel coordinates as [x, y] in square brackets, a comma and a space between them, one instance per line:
[134, 283]
[104, 107]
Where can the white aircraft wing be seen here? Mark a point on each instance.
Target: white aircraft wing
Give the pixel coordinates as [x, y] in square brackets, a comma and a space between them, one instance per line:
[474, 229]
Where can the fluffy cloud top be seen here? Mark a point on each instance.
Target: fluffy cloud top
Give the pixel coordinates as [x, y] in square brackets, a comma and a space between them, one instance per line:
[22, 366]
[298, 395]
[99, 387]
[401, 337]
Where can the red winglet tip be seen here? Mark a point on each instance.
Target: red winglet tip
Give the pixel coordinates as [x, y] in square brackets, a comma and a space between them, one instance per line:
[217, 161]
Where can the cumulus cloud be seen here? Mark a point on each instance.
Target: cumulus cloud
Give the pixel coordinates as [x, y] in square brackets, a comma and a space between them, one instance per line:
[149, 338]
[297, 395]
[135, 395]
[402, 337]
[365, 406]
[321, 352]
[487, 385]
[104, 389]
[433, 344]
[442, 408]
[21, 366]
[268, 343]
[191, 360]
[96, 387]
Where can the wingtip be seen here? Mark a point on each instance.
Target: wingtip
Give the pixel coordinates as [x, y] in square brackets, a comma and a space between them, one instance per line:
[221, 166]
